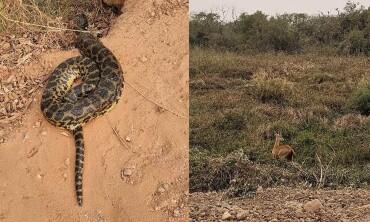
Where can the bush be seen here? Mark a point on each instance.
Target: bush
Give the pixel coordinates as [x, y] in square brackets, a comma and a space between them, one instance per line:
[361, 100]
[355, 43]
[275, 91]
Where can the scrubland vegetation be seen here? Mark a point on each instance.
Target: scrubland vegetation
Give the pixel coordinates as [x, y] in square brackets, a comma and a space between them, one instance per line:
[345, 33]
[298, 74]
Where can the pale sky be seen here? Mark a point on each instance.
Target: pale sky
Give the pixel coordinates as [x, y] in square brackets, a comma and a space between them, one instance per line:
[270, 7]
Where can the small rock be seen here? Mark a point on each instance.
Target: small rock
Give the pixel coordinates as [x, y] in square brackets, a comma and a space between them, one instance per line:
[66, 162]
[2, 140]
[144, 59]
[65, 176]
[312, 206]
[43, 133]
[242, 215]
[128, 139]
[127, 172]
[226, 216]
[176, 213]
[39, 176]
[37, 124]
[161, 189]
[152, 14]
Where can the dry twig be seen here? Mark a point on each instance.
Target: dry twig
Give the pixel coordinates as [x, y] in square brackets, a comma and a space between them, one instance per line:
[50, 28]
[155, 103]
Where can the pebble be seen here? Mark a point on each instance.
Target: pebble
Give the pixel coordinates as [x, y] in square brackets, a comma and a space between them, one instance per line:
[312, 206]
[176, 213]
[144, 59]
[242, 215]
[127, 172]
[226, 216]
[161, 189]
[66, 162]
[37, 124]
[128, 139]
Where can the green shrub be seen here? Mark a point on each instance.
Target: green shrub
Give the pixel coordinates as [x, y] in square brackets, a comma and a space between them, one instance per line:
[361, 100]
[275, 91]
[354, 43]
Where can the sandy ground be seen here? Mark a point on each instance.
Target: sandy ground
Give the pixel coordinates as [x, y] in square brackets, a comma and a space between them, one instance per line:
[284, 204]
[137, 173]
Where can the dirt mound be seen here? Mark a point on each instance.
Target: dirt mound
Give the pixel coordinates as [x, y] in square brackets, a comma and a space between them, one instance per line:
[283, 204]
[136, 164]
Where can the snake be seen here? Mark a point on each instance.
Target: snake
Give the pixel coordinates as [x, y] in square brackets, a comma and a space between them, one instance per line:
[80, 89]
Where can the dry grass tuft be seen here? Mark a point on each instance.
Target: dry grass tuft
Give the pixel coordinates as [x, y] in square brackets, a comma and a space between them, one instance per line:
[28, 27]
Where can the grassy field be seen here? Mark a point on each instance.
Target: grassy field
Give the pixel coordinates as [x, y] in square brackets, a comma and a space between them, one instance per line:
[239, 101]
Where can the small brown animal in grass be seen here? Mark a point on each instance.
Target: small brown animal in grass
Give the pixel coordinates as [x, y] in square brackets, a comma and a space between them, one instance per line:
[282, 150]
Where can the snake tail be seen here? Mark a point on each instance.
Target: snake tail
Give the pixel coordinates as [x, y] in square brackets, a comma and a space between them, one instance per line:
[79, 143]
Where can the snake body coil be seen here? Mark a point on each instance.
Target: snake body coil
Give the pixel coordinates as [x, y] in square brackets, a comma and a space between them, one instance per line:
[70, 107]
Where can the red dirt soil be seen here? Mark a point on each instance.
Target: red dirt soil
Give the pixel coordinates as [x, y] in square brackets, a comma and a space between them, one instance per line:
[136, 156]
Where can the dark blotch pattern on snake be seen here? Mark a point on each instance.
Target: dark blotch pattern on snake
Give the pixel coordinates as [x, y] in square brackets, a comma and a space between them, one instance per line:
[68, 106]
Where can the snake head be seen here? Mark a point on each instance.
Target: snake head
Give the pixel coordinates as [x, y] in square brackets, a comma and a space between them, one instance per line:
[80, 22]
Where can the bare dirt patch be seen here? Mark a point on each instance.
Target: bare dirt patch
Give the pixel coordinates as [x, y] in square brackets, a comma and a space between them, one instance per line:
[284, 204]
[136, 155]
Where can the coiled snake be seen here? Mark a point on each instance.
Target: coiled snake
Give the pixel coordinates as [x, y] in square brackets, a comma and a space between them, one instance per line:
[101, 86]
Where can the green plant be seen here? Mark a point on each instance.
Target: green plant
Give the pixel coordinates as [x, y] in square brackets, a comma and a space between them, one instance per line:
[275, 91]
[361, 100]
